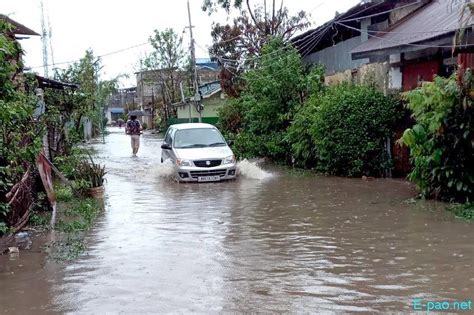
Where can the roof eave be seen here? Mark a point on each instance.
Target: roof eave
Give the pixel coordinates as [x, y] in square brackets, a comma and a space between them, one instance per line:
[19, 29]
[444, 40]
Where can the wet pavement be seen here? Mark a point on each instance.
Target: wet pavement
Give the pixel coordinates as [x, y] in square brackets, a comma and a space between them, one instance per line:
[271, 241]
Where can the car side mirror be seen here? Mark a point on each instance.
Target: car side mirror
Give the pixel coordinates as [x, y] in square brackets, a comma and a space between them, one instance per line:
[230, 142]
[166, 146]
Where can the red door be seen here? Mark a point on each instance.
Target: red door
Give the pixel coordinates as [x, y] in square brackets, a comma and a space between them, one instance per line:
[415, 73]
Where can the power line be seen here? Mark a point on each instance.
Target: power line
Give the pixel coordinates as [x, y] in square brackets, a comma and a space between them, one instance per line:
[378, 13]
[100, 56]
[294, 62]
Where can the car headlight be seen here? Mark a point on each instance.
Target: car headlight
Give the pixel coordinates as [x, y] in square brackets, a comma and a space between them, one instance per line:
[181, 162]
[229, 160]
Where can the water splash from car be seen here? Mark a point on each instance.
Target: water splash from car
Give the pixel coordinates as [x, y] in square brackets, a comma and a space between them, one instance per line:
[251, 170]
[164, 170]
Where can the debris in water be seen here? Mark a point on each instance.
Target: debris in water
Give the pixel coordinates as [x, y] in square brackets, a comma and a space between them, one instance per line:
[13, 250]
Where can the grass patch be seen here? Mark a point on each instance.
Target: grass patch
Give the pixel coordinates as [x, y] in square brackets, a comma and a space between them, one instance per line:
[464, 211]
[64, 193]
[77, 215]
[40, 218]
[68, 250]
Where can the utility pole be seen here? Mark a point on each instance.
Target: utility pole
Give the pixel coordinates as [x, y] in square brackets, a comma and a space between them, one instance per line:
[197, 97]
[44, 41]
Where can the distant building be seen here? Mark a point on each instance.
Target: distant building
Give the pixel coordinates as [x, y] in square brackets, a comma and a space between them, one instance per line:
[207, 70]
[151, 92]
[212, 98]
[120, 102]
[154, 96]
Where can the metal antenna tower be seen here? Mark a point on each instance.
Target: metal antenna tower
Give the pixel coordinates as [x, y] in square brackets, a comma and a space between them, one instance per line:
[44, 41]
[50, 41]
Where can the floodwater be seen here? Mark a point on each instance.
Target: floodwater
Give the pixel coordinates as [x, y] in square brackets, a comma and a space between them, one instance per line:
[271, 241]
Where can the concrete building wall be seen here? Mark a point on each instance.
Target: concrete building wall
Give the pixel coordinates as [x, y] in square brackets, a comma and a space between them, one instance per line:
[377, 74]
[211, 107]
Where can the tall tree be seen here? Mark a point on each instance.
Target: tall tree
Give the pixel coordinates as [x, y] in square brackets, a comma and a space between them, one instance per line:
[237, 45]
[165, 67]
[90, 97]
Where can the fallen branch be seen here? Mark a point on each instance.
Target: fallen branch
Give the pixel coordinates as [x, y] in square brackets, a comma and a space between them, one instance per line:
[57, 172]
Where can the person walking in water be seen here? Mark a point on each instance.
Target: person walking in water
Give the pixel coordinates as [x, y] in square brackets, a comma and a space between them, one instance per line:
[134, 128]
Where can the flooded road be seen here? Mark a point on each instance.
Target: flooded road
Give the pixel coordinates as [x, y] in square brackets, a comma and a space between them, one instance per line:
[268, 242]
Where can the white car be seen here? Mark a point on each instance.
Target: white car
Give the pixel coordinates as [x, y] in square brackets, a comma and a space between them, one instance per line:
[199, 153]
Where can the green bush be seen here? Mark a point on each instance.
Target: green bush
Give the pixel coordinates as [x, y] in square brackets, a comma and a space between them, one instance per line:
[299, 135]
[441, 145]
[258, 120]
[230, 118]
[351, 124]
[67, 164]
[90, 172]
[20, 140]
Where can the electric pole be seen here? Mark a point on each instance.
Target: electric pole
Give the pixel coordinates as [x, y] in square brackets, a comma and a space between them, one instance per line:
[197, 97]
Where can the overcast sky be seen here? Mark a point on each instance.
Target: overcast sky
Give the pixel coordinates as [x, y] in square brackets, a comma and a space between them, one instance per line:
[111, 25]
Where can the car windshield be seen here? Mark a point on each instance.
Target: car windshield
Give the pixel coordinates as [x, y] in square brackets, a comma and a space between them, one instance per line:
[198, 138]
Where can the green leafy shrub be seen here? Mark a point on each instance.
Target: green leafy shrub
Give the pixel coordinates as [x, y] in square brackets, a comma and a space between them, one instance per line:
[299, 135]
[230, 118]
[67, 164]
[351, 124]
[20, 140]
[90, 172]
[274, 90]
[441, 145]
[3, 228]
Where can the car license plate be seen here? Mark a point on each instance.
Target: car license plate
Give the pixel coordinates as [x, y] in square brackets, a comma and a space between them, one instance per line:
[208, 178]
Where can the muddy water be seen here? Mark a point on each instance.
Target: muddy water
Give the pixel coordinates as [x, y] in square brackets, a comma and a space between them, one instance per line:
[268, 242]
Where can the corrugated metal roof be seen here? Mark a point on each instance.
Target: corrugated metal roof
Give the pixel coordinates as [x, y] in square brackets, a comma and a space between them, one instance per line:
[19, 29]
[212, 65]
[434, 20]
[54, 84]
[310, 41]
[210, 88]
[206, 91]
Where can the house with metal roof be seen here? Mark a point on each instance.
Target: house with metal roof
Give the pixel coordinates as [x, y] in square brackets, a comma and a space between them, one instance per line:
[207, 70]
[19, 30]
[211, 97]
[120, 102]
[422, 45]
[396, 43]
[331, 43]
